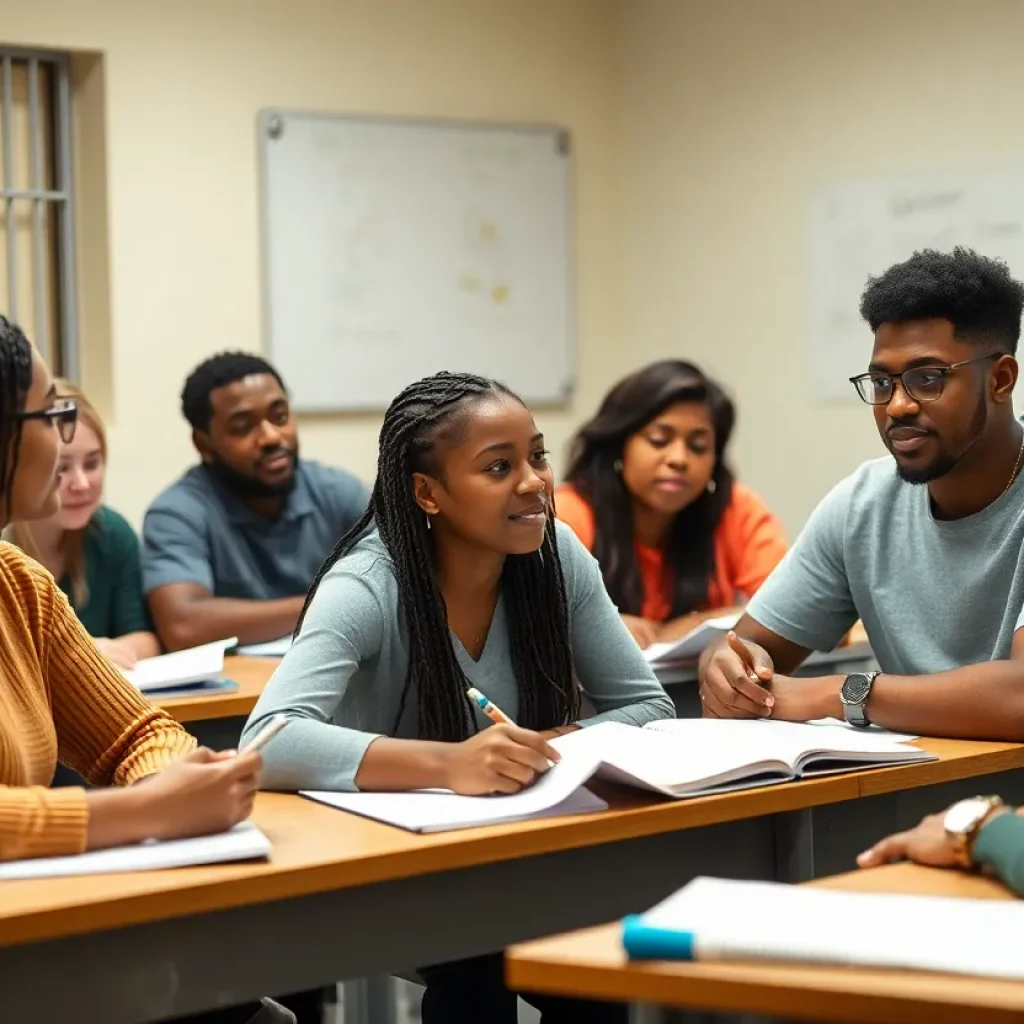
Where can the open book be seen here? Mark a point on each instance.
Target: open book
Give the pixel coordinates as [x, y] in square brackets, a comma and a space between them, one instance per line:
[828, 926]
[270, 649]
[691, 646]
[244, 842]
[182, 668]
[676, 758]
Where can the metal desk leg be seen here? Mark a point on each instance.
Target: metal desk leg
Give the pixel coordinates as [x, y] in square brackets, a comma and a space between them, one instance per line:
[370, 1000]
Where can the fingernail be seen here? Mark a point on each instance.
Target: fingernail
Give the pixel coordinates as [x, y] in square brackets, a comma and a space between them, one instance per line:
[866, 855]
[769, 701]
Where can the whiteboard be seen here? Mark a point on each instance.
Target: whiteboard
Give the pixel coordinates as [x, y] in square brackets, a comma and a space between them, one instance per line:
[861, 228]
[394, 249]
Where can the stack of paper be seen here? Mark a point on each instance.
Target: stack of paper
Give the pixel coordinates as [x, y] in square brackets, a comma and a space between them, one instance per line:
[828, 926]
[172, 671]
[691, 646]
[244, 842]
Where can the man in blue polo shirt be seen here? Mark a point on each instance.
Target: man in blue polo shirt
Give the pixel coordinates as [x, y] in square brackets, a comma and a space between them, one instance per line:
[231, 548]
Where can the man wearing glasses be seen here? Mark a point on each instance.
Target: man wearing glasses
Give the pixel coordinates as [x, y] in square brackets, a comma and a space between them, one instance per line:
[924, 545]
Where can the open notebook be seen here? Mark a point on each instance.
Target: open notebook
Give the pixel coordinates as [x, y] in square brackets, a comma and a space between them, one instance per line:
[677, 758]
[828, 926]
[244, 842]
[691, 646]
[182, 668]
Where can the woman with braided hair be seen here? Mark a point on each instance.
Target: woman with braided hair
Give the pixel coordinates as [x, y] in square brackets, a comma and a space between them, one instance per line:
[458, 575]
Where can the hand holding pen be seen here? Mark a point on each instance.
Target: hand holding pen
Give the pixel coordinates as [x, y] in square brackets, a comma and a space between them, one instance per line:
[501, 759]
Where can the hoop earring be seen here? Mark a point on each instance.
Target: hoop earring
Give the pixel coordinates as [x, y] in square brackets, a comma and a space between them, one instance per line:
[617, 466]
[712, 486]
[429, 525]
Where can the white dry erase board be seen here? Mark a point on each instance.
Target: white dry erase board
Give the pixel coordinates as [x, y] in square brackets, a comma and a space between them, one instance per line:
[393, 249]
[860, 228]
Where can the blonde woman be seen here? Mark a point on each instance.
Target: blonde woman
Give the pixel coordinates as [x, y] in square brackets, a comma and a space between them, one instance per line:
[89, 548]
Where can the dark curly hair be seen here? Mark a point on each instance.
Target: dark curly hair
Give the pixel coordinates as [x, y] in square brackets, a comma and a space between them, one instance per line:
[216, 372]
[15, 382]
[690, 549]
[975, 293]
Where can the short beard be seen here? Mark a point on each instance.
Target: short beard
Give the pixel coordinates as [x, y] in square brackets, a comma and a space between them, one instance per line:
[944, 463]
[244, 486]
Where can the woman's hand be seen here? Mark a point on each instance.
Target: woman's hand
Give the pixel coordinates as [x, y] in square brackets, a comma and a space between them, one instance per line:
[644, 631]
[202, 793]
[500, 759]
[120, 654]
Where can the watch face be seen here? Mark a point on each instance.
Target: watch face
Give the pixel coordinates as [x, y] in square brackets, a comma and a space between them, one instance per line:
[963, 816]
[855, 688]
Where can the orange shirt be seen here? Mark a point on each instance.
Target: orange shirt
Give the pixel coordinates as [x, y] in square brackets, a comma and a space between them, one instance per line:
[749, 543]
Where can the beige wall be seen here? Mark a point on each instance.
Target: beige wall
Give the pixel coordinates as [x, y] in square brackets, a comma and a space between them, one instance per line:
[732, 111]
[183, 83]
[700, 127]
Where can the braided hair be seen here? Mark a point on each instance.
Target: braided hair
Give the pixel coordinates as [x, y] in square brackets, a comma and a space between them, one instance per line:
[533, 585]
[15, 381]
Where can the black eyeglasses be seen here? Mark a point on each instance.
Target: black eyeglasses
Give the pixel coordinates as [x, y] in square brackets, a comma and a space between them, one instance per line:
[922, 383]
[64, 413]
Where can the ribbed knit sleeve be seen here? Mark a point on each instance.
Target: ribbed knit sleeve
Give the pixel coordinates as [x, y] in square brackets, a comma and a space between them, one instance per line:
[106, 730]
[104, 727]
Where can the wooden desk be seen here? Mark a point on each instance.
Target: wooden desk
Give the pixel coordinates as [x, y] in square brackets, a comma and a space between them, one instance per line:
[344, 897]
[251, 674]
[592, 963]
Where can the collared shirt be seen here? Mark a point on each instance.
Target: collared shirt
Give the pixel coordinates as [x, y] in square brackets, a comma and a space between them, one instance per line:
[198, 531]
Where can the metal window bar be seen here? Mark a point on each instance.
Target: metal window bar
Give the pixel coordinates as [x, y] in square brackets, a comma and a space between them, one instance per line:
[49, 196]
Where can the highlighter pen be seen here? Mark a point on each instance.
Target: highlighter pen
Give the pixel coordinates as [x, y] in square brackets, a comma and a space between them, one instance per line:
[492, 711]
[266, 734]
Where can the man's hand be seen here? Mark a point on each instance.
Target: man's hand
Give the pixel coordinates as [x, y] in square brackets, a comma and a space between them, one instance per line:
[735, 681]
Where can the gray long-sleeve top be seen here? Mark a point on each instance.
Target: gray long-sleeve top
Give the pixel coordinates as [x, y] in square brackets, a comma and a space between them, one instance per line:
[342, 680]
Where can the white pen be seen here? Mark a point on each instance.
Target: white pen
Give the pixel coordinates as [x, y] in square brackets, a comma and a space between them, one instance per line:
[266, 734]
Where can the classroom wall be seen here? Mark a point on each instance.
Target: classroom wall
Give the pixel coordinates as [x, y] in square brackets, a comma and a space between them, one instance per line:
[183, 83]
[731, 112]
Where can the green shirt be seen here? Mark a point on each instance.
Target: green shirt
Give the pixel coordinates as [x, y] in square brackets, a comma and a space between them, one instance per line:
[1000, 848]
[113, 573]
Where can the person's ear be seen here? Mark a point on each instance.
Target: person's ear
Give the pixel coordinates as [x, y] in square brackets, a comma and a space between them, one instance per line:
[424, 491]
[203, 445]
[1004, 379]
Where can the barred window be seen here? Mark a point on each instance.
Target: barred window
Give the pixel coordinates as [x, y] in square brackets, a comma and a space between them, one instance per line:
[37, 217]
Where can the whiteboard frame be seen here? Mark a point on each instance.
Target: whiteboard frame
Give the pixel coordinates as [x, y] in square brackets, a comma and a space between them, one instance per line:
[557, 131]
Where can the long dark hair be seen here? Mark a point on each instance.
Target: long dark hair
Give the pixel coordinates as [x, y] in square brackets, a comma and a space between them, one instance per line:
[532, 585]
[690, 548]
[15, 381]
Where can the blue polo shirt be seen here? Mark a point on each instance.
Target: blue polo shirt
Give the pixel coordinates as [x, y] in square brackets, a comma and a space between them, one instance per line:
[198, 531]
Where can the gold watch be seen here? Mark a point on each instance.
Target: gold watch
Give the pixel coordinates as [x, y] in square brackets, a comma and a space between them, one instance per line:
[962, 822]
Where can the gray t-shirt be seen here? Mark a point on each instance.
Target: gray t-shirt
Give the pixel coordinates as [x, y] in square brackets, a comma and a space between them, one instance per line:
[342, 680]
[933, 594]
[198, 531]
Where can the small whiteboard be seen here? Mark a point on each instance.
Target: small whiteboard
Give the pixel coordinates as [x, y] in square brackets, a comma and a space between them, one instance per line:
[394, 249]
[862, 228]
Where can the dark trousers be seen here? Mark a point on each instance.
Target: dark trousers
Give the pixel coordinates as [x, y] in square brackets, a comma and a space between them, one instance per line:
[473, 992]
[308, 1008]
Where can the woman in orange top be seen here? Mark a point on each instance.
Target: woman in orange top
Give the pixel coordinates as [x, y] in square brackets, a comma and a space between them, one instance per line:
[60, 698]
[650, 494]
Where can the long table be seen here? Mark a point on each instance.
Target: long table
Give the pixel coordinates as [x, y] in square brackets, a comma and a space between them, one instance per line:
[344, 897]
[591, 963]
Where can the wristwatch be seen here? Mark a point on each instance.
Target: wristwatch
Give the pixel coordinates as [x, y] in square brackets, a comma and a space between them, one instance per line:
[854, 694]
[962, 822]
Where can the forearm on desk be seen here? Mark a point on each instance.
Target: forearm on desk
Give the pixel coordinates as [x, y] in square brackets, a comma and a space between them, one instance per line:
[204, 620]
[984, 701]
